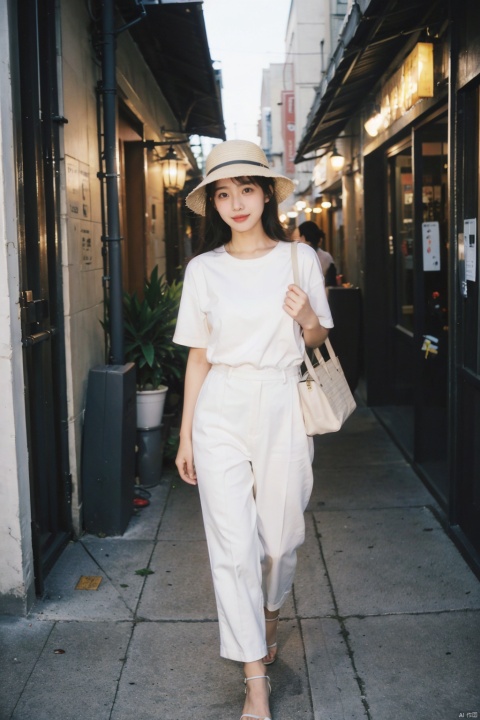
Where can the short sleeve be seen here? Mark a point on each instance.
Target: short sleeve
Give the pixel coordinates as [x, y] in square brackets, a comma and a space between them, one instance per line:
[192, 327]
[313, 283]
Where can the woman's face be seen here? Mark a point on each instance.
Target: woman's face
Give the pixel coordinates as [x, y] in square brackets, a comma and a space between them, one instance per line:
[239, 203]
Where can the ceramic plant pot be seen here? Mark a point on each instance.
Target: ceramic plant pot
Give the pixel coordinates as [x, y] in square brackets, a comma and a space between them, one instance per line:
[150, 404]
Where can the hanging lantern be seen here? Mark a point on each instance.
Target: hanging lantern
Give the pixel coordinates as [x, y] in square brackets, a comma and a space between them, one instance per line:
[337, 161]
[174, 172]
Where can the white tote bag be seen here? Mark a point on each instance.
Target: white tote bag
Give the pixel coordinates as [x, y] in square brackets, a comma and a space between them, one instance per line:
[325, 396]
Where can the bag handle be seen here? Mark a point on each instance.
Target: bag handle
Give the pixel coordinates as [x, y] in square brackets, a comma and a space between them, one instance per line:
[328, 344]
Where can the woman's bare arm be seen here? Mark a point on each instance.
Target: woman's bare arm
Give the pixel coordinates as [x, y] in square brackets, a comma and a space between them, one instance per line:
[196, 372]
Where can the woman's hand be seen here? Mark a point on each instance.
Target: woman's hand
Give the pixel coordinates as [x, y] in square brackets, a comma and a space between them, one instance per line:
[184, 462]
[297, 305]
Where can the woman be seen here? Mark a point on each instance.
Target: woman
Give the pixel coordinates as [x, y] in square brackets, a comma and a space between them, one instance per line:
[309, 232]
[242, 436]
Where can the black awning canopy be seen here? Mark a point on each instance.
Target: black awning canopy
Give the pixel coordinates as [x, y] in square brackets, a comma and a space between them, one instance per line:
[373, 35]
[173, 41]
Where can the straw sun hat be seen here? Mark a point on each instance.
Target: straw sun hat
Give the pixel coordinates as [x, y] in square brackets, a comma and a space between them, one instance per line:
[236, 158]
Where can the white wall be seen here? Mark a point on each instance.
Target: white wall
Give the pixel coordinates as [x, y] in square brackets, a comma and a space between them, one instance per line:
[82, 267]
[16, 559]
[83, 295]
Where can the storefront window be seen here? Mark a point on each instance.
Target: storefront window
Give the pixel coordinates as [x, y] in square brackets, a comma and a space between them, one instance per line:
[402, 234]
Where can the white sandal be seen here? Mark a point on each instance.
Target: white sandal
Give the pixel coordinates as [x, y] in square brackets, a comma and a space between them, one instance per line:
[257, 677]
[269, 647]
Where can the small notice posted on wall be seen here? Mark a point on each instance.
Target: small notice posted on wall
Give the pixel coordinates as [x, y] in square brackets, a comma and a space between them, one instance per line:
[470, 248]
[431, 246]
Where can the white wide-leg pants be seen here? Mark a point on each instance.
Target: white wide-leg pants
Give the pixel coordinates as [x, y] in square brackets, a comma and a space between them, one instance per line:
[253, 463]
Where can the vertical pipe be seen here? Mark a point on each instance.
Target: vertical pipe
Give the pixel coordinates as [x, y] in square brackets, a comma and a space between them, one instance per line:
[111, 181]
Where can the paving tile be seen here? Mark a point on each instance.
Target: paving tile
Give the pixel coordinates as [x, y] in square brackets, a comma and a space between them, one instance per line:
[21, 643]
[362, 441]
[181, 586]
[335, 691]
[313, 597]
[174, 672]
[118, 561]
[62, 602]
[82, 682]
[390, 561]
[419, 666]
[363, 487]
[144, 523]
[182, 519]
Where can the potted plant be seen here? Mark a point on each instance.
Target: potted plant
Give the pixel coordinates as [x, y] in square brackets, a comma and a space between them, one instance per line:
[149, 325]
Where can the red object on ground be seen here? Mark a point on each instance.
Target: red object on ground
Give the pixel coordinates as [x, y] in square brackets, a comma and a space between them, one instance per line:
[140, 502]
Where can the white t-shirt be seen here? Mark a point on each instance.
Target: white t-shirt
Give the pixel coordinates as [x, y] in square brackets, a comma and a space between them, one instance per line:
[325, 259]
[234, 308]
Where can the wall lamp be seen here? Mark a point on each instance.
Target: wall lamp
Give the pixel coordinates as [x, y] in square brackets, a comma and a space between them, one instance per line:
[174, 171]
[337, 161]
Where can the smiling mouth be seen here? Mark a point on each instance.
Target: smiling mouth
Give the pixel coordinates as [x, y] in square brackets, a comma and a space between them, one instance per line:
[240, 218]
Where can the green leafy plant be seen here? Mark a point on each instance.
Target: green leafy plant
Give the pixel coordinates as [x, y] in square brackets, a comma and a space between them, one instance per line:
[149, 325]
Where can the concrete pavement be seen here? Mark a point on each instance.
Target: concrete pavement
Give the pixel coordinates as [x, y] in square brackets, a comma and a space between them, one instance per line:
[383, 622]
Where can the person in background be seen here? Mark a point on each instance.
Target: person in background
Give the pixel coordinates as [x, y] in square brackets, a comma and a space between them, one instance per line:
[309, 232]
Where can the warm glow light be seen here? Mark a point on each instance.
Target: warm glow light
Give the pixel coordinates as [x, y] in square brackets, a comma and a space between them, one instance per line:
[308, 209]
[282, 218]
[292, 214]
[300, 205]
[174, 172]
[374, 124]
[413, 81]
[317, 210]
[326, 204]
[337, 161]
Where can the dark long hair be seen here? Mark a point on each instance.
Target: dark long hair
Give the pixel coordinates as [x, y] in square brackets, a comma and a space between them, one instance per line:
[217, 232]
[312, 233]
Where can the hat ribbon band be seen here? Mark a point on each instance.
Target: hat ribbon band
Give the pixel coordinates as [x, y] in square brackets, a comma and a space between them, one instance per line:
[237, 162]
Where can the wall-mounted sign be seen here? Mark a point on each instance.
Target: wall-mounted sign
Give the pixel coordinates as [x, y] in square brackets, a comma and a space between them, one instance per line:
[412, 81]
[470, 248]
[78, 188]
[288, 129]
[431, 246]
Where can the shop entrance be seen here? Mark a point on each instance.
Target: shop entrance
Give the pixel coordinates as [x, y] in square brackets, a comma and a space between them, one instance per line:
[418, 243]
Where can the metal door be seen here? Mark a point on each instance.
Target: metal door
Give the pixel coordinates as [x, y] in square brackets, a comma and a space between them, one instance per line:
[34, 79]
[418, 244]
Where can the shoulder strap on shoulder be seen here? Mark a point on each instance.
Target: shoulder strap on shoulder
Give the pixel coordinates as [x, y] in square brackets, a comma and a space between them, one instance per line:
[295, 263]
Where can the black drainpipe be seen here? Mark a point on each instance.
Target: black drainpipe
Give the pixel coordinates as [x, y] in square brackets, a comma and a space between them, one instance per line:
[112, 239]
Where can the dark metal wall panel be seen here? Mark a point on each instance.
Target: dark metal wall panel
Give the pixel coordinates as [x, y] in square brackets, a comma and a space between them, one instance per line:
[466, 16]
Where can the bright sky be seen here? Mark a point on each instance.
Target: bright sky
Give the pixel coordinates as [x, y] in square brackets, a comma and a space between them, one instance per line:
[245, 37]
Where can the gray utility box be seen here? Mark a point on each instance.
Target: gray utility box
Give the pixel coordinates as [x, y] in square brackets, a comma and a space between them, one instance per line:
[108, 452]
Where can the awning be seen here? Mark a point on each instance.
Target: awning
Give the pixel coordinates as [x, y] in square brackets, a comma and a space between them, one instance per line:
[373, 34]
[173, 41]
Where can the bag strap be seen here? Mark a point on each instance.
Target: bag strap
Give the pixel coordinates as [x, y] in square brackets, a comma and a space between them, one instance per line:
[296, 274]
[328, 344]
